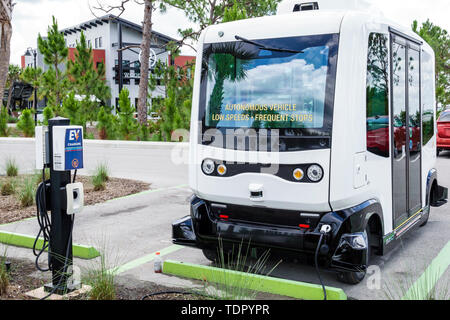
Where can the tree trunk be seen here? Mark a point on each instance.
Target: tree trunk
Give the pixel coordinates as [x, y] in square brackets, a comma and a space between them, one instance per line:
[145, 56]
[5, 53]
[8, 104]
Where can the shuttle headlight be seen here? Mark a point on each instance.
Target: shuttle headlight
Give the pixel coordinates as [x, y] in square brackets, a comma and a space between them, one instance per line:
[315, 173]
[298, 174]
[222, 170]
[208, 166]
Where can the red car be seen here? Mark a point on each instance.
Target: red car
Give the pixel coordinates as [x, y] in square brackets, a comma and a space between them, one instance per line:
[443, 137]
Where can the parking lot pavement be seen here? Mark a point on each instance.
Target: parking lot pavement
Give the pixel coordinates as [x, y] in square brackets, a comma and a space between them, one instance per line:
[130, 230]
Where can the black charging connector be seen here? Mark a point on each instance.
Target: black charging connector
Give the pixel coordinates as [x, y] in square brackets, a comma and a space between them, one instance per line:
[324, 230]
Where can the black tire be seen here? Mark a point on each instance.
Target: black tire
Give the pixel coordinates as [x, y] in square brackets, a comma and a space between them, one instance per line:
[355, 278]
[438, 151]
[211, 255]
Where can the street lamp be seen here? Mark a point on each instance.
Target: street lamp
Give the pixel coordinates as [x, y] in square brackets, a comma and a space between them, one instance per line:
[31, 51]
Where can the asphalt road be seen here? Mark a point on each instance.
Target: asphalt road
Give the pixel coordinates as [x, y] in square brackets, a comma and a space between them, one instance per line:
[129, 230]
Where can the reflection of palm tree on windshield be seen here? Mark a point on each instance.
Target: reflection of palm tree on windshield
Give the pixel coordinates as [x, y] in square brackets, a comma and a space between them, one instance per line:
[224, 57]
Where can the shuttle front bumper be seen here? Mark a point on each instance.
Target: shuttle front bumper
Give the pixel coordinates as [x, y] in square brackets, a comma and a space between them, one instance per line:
[203, 229]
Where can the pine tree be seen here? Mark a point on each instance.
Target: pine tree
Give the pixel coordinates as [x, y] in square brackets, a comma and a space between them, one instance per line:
[55, 52]
[127, 123]
[87, 81]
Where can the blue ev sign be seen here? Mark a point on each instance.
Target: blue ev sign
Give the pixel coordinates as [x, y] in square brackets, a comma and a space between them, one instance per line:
[67, 148]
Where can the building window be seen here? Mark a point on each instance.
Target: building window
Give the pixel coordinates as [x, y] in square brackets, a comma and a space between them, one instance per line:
[126, 71]
[89, 43]
[137, 73]
[96, 43]
[100, 42]
[378, 95]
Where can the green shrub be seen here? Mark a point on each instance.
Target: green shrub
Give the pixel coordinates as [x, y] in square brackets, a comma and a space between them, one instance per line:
[4, 132]
[106, 124]
[72, 109]
[8, 188]
[26, 193]
[48, 114]
[144, 133]
[26, 123]
[127, 123]
[12, 169]
[12, 119]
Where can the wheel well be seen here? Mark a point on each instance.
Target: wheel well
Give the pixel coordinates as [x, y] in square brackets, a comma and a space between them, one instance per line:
[376, 233]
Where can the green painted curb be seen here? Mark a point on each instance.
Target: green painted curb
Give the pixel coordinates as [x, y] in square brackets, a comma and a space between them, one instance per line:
[288, 288]
[20, 240]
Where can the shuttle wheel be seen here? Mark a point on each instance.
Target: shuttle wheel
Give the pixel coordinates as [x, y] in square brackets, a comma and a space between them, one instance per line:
[438, 151]
[355, 277]
[211, 255]
[351, 277]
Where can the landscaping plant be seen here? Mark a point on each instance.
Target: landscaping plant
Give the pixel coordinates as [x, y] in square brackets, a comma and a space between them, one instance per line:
[4, 117]
[26, 123]
[238, 288]
[12, 170]
[26, 193]
[4, 277]
[127, 123]
[102, 280]
[8, 188]
[48, 114]
[106, 124]
[100, 177]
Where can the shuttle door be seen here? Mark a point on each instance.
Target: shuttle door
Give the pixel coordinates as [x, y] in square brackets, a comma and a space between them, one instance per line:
[406, 129]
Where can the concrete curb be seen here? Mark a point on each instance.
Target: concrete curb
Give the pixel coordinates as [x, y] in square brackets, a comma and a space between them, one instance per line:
[288, 288]
[25, 241]
[111, 143]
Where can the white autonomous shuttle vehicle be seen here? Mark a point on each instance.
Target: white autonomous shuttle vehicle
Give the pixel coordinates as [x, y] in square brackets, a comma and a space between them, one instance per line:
[313, 132]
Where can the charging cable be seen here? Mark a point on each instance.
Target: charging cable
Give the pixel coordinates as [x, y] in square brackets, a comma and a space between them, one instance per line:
[323, 231]
[45, 229]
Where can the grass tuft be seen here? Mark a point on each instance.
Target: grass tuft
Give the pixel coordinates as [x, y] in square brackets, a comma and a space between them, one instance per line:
[4, 277]
[240, 288]
[26, 193]
[8, 188]
[100, 177]
[102, 281]
[12, 169]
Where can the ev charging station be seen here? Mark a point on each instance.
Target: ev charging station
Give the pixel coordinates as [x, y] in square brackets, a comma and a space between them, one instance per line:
[59, 147]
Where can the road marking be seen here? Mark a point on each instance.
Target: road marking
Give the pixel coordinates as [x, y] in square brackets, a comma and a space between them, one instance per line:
[148, 192]
[427, 281]
[145, 259]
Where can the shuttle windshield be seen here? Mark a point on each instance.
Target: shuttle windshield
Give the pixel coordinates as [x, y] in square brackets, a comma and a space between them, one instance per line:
[291, 88]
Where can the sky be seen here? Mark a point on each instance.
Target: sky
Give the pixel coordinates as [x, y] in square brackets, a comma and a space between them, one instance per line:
[31, 17]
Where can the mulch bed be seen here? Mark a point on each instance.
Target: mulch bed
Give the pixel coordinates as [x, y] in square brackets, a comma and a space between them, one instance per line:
[11, 210]
[21, 281]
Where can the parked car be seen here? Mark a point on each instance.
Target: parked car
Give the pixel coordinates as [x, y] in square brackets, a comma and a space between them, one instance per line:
[443, 137]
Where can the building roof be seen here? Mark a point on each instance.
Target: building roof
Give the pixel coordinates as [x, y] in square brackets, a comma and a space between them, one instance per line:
[113, 19]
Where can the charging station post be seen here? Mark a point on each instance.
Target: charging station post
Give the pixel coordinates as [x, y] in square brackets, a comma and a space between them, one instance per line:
[60, 245]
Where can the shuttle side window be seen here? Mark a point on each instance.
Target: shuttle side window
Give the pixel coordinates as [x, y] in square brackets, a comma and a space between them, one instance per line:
[378, 95]
[427, 97]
